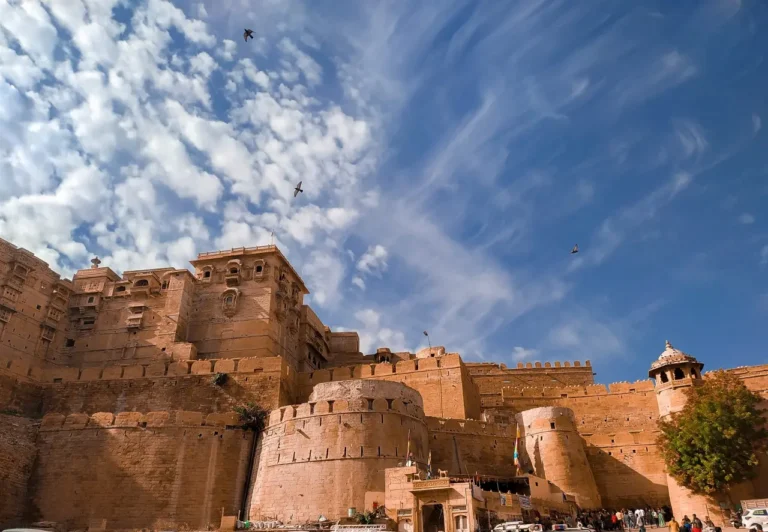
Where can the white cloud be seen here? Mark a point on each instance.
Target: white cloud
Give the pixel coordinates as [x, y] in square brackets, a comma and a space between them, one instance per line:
[746, 218]
[757, 123]
[373, 335]
[521, 353]
[764, 256]
[374, 260]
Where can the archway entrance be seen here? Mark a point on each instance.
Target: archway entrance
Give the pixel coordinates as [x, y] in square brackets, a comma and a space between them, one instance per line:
[432, 518]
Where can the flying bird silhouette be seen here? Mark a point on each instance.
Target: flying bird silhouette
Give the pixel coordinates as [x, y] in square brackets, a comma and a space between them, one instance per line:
[575, 249]
[297, 190]
[247, 33]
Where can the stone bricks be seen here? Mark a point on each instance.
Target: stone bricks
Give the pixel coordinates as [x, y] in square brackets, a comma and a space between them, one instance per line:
[17, 455]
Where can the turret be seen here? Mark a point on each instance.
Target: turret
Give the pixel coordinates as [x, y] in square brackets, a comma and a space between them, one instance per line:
[674, 372]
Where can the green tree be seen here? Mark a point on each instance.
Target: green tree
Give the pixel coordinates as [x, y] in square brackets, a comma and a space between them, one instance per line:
[714, 441]
[252, 417]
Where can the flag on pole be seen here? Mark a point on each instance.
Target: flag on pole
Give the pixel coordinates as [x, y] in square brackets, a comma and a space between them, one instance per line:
[517, 454]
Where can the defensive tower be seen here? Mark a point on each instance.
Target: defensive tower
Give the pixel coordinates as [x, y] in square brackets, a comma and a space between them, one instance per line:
[555, 451]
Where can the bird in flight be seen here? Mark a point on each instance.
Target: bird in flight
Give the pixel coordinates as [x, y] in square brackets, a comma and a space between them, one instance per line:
[575, 249]
[247, 33]
[297, 190]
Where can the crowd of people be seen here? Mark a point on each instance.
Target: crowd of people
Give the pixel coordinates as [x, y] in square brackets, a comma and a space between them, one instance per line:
[641, 519]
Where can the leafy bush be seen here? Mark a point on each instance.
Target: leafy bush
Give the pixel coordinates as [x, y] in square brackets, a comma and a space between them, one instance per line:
[252, 417]
[219, 379]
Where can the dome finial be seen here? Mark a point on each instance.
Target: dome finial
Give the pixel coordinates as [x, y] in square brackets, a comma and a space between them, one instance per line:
[669, 346]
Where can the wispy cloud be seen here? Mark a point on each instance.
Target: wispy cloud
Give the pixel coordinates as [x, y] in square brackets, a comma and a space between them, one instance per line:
[746, 219]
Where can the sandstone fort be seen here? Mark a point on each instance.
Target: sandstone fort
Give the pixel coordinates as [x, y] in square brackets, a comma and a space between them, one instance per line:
[117, 399]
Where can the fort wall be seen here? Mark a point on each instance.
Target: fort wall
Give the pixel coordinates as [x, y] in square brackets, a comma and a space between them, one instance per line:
[163, 386]
[628, 469]
[597, 408]
[17, 456]
[326, 456]
[19, 392]
[156, 470]
[491, 377]
[555, 450]
[443, 382]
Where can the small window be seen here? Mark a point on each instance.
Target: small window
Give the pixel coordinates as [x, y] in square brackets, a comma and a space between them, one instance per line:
[142, 282]
[38, 307]
[552, 425]
[664, 377]
[207, 274]
[229, 300]
[120, 289]
[70, 342]
[370, 404]
[164, 286]
[679, 374]
[90, 299]
[88, 322]
[259, 268]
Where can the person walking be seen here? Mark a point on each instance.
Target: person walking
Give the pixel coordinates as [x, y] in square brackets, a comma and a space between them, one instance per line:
[696, 525]
[662, 523]
[674, 526]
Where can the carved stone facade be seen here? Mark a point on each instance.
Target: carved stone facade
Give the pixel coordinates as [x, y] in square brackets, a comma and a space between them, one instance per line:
[114, 409]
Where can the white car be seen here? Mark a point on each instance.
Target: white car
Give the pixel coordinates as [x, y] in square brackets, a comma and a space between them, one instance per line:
[517, 526]
[755, 516]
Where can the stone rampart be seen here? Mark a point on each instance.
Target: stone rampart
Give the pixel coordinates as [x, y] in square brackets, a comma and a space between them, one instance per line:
[555, 451]
[443, 382]
[491, 378]
[597, 408]
[165, 386]
[326, 456]
[17, 455]
[171, 469]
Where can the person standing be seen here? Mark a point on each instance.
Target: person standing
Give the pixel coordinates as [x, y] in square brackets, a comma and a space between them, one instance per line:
[661, 518]
[620, 519]
[674, 526]
[696, 525]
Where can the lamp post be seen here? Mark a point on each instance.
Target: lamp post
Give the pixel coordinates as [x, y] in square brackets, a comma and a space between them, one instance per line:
[428, 340]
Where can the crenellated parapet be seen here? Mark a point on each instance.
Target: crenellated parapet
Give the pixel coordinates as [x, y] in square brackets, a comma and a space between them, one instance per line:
[469, 427]
[169, 369]
[108, 420]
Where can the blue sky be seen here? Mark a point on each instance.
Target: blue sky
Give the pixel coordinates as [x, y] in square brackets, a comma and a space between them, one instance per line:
[451, 152]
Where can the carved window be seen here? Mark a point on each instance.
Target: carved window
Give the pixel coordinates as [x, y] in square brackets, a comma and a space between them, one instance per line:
[120, 289]
[229, 302]
[70, 343]
[664, 377]
[164, 286]
[678, 374]
[259, 268]
[207, 274]
[142, 282]
[5, 315]
[693, 373]
[90, 299]
[233, 270]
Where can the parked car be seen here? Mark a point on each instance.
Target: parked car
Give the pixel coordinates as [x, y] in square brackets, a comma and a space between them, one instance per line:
[755, 516]
[517, 526]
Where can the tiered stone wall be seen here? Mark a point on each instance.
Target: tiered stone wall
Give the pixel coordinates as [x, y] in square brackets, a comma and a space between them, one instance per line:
[160, 470]
[327, 455]
[164, 386]
[444, 383]
[491, 378]
[17, 456]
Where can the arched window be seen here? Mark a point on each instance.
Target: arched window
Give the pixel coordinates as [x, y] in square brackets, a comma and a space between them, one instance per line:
[233, 270]
[207, 274]
[693, 373]
[678, 374]
[259, 268]
[165, 285]
[142, 282]
[664, 377]
[229, 300]
[120, 289]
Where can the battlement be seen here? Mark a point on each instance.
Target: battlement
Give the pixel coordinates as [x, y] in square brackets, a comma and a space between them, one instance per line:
[483, 368]
[168, 369]
[622, 438]
[384, 369]
[20, 369]
[645, 385]
[470, 427]
[344, 406]
[107, 420]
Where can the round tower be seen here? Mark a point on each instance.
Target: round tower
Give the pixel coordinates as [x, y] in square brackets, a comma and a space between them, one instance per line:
[556, 452]
[673, 373]
[329, 454]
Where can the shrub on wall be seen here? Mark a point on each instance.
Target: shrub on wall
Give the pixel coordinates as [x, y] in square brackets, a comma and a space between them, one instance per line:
[252, 417]
[714, 441]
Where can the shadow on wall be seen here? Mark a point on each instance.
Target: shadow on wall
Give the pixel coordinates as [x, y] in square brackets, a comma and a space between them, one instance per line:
[154, 476]
[191, 392]
[621, 486]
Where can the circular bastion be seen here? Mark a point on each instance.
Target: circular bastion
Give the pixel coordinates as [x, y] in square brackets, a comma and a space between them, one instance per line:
[329, 454]
[555, 450]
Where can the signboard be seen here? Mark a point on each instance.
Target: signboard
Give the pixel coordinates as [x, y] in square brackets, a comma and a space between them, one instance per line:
[502, 499]
[525, 502]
